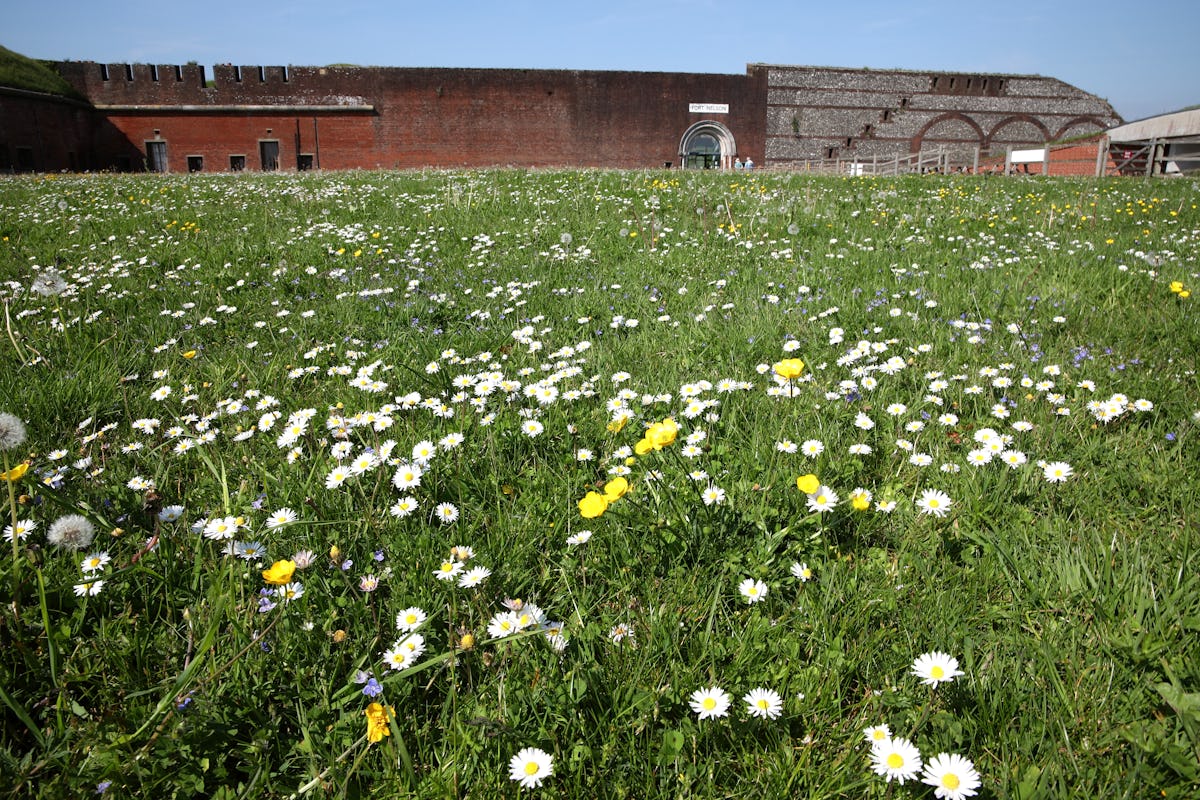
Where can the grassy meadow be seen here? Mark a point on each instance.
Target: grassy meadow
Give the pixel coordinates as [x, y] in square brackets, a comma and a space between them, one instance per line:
[599, 484]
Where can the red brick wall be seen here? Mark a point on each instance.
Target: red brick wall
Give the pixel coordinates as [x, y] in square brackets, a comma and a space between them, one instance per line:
[381, 117]
[338, 140]
[55, 132]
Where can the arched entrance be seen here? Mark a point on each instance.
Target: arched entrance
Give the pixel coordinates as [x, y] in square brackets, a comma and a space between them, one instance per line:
[707, 145]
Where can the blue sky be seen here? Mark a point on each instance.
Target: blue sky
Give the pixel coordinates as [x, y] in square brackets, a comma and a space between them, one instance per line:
[1112, 49]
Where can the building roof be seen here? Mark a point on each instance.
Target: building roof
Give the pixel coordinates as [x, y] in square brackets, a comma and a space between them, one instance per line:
[1164, 126]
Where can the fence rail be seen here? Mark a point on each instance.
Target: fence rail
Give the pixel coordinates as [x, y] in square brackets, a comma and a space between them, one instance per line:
[1089, 157]
[926, 161]
[1156, 156]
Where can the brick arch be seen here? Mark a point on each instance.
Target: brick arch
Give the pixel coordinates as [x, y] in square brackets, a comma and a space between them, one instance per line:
[1017, 119]
[716, 130]
[1069, 129]
[950, 116]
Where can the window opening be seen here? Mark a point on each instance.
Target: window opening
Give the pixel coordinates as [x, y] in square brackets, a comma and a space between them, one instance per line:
[195, 163]
[104, 72]
[154, 72]
[304, 162]
[237, 163]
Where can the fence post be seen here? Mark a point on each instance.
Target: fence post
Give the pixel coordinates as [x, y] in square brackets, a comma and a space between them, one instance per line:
[1101, 156]
[1046, 158]
[1150, 156]
[975, 162]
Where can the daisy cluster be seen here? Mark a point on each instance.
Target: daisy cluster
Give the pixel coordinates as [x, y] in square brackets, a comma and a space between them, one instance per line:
[897, 758]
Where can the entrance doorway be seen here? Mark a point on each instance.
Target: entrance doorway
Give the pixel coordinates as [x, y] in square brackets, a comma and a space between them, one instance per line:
[707, 145]
[703, 153]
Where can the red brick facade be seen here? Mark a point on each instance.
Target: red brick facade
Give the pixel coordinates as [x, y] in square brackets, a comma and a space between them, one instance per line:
[395, 118]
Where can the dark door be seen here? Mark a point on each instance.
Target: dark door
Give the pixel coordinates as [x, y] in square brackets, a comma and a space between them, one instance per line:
[156, 156]
[269, 152]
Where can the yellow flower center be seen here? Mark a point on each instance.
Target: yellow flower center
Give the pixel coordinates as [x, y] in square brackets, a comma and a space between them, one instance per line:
[895, 760]
[950, 781]
[410, 619]
[937, 672]
[878, 735]
[933, 502]
[763, 704]
[531, 767]
[709, 704]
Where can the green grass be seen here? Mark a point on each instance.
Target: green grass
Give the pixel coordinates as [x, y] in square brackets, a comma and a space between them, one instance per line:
[1071, 607]
[21, 72]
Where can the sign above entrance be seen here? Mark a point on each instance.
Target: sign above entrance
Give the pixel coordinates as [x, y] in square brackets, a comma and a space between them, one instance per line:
[708, 108]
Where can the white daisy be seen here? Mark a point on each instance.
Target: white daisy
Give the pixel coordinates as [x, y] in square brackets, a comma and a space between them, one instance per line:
[952, 776]
[934, 502]
[897, 759]
[710, 703]
[764, 703]
[935, 667]
[530, 767]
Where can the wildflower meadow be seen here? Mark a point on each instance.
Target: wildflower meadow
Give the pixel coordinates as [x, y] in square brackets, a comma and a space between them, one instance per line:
[599, 484]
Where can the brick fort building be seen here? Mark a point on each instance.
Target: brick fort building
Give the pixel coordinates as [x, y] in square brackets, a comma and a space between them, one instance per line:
[179, 118]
